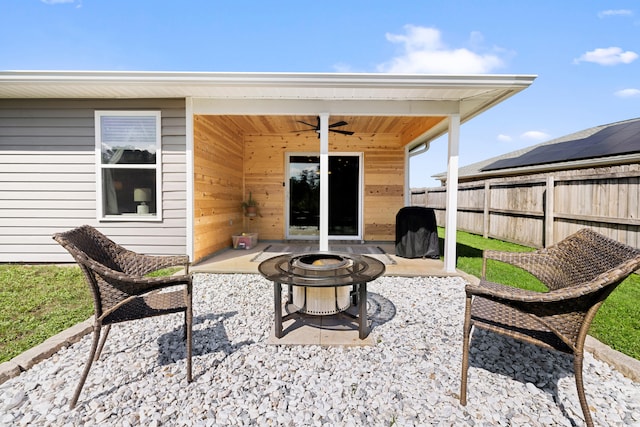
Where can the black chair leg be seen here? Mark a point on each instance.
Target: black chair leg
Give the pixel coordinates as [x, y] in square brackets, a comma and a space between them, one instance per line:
[185, 333]
[189, 329]
[465, 352]
[102, 341]
[93, 354]
[189, 351]
[577, 367]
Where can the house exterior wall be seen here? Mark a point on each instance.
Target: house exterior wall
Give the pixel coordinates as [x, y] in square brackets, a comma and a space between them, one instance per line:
[48, 178]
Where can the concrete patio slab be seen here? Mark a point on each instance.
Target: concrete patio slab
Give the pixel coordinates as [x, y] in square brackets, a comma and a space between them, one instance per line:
[240, 261]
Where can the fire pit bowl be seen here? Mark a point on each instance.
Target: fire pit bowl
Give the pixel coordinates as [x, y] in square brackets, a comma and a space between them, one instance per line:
[321, 300]
[319, 263]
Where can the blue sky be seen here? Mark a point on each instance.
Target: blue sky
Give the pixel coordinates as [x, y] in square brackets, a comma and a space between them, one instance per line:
[585, 53]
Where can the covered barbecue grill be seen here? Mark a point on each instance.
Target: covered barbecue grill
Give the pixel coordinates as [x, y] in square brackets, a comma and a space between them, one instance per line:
[417, 233]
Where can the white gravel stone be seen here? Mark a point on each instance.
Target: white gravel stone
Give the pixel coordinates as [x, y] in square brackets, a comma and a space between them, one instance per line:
[411, 377]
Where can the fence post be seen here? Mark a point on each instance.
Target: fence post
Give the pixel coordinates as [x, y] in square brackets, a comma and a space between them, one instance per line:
[486, 224]
[548, 212]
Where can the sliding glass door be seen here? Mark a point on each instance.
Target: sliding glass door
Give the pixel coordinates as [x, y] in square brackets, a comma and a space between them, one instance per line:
[304, 196]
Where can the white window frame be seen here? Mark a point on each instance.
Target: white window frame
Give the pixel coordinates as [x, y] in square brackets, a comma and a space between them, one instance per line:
[100, 167]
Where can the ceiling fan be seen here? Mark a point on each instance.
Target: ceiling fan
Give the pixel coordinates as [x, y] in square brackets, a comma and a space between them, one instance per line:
[316, 127]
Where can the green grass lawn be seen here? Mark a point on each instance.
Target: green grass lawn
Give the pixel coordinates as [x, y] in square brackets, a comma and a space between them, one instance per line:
[617, 323]
[37, 302]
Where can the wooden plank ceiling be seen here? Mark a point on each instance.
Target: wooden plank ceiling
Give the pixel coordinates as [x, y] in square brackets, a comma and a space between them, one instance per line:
[408, 127]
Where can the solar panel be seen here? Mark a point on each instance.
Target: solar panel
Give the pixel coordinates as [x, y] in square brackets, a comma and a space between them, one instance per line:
[623, 138]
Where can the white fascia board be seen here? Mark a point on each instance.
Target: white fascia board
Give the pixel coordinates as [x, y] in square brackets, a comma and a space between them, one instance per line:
[286, 79]
[20, 84]
[206, 106]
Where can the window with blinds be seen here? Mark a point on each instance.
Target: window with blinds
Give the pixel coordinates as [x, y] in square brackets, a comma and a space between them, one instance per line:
[128, 146]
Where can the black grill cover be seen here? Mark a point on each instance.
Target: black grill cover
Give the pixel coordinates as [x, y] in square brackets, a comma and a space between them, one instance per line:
[416, 233]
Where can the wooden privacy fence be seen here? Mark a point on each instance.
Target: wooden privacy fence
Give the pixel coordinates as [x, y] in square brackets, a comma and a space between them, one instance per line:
[543, 210]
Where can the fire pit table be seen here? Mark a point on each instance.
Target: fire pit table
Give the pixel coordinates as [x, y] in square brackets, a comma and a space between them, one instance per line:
[321, 283]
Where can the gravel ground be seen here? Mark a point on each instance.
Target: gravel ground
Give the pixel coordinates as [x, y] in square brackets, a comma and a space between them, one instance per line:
[411, 377]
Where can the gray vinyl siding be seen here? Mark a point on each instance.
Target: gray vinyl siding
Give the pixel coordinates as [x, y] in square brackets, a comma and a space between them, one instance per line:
[48, 178]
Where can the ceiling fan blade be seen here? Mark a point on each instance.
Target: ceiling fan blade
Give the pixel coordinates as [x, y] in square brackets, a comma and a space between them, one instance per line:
[305, 123]
[316, 128]
[304, 130]
[344, 132]
[336, 124]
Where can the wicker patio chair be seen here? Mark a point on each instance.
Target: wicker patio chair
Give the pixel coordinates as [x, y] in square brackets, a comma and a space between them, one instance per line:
[580, 272]
[121, 292]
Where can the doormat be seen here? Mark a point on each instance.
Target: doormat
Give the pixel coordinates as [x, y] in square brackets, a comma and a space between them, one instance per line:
[286, 248]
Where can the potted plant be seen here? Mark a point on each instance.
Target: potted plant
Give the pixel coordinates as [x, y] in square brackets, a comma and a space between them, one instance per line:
[250, 206]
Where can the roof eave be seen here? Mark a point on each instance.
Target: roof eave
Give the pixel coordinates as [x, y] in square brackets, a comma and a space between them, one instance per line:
[288, 79]
[442, 128]
[193, 84]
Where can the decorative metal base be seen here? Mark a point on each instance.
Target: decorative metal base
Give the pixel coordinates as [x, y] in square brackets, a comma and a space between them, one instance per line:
[357, 310]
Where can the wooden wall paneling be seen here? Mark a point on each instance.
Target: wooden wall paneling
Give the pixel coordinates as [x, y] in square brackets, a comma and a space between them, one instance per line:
[383, 178]
[418, 126]
[218, 172]
[383, 190]
[265, 176]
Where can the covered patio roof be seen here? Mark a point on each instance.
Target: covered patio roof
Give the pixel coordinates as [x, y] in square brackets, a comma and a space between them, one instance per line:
[338, 94]
[419, 107]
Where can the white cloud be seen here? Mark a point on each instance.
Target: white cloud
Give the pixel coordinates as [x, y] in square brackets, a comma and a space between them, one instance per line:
[342, 68]
[425, 52]
[535, 135]
[628, 93]
[608, 56]
[615, 12]
[78, 3]
[504, 138]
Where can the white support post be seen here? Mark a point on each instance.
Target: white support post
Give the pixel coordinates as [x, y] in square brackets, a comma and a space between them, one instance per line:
[452, 195]
[486, 219]
[190, 249]
[549, 207]
[324, 181]
[407, 174]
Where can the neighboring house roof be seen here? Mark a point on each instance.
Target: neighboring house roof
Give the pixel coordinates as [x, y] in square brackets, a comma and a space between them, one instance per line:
[612, 143]
[369, 94]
